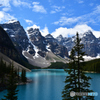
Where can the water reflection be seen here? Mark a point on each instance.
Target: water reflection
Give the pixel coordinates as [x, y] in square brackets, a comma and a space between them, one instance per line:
[48, 84]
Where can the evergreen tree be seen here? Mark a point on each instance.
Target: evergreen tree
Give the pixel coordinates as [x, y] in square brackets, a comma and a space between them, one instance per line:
[11, 86]
[70, 78]
[23, 75]
[76, 80]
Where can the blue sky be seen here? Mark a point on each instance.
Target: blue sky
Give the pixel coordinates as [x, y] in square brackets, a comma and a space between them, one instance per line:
[56, 17]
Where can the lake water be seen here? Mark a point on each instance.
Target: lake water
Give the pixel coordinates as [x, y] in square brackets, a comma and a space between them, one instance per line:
[48, 84]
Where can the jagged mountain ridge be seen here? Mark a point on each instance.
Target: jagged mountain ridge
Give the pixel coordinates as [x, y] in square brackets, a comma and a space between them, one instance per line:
[91, 43]
[45, 44]
[34, 45]
[17, 35]
[40, 45]
[9, 53]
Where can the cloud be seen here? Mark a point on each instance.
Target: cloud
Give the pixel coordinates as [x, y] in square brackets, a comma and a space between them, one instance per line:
[96, 10]
[28, 21]
[91, 4]
[67, 21]
[5, 3]
[5, 17]
[56, 9]
[80, 1]
[96, 33]
[45, 31]
[20, 3]
[66, 32]
[92, 18]
[36, 3]
[6, 9]
[38, 8]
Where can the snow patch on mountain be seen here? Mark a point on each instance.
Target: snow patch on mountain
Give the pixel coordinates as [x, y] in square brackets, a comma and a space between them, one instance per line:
[11, 21]
[48, 47]
[34, 27]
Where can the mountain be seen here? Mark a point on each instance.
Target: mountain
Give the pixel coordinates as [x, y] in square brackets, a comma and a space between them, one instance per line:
[44, 44]
[91, 43]
[17, 34]
[33, 46]
[15, 64]
[31, 43]
[38, 41]
[50, 38]
[6, 45]
[8, 49]
[60, 39]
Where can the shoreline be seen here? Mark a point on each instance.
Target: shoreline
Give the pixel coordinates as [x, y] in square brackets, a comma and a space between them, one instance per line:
[19, 83]
[90, 72]
[22, 83]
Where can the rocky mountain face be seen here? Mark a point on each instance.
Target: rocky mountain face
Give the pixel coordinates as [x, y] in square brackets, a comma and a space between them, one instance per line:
[35, 43]
[38, 41]
[10, 54]
[91, 43]
[44, 50]
[55, 47]
[17, 35]
[35, 48]
[45, 44]
[8, 48]
[6, 45]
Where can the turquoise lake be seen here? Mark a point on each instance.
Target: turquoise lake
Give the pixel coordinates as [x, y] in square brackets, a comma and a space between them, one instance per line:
[48, 84]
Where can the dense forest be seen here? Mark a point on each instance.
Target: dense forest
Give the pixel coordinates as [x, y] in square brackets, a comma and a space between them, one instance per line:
[93, 65]
[5, 71]
[58, 65]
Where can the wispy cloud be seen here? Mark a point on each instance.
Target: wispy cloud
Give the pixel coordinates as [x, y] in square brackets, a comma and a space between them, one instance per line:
[92, 17]
[5, 3]
[57, 9]
[38, 8]
[67, 21]
[28, 21]
[20, 3]
[5, 9]
[5, 17]
[80, 1]
[91, 4]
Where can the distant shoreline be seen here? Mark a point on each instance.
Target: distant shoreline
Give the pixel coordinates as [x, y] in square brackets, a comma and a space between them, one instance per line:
[90, 72]
[22, 83]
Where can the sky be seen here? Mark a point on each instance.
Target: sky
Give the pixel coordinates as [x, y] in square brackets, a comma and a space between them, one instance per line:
[65, 17]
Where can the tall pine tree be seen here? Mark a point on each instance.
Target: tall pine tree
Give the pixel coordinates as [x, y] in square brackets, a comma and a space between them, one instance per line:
[11, 86]
[76, 80]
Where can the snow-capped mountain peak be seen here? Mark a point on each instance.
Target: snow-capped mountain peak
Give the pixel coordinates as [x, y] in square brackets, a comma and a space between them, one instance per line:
[89, 32]
[59, 38]
[49, 36]
[11, 21]
[32, 31]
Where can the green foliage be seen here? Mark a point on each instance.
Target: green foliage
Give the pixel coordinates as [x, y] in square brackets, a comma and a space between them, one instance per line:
[57, 65]
[93, 65]
[76, 80]
[4, 69]
[11, 85]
